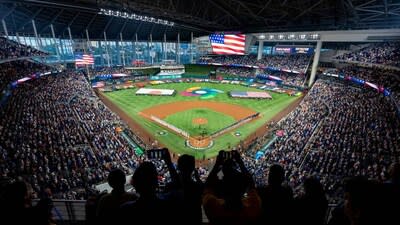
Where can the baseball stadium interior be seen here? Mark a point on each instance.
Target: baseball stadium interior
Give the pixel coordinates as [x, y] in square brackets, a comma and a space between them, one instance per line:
[220, 112]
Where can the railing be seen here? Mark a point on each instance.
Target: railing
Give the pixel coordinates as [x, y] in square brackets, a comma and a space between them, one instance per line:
[73, 212]
[68, 211]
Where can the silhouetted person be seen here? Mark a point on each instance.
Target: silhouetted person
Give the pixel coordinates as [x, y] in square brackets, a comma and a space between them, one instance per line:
[91, 207]
[148, 208]
[360, 201]
[310, 208]
[391, 195]
[190, 190]
[277, 200]
[231, 206]
[16, 206]
[109, 204]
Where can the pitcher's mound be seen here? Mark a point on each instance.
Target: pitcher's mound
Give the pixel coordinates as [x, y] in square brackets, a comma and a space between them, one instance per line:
[199, 121]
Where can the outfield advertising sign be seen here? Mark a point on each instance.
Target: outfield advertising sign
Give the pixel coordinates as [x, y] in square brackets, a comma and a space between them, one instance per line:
[165, 77]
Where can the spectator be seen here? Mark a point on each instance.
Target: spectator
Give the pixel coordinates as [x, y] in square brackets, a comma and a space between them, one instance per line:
[311, 207]
[231, 206]
[109, 204]
[148, 208]
[277, 200]
[191, 190]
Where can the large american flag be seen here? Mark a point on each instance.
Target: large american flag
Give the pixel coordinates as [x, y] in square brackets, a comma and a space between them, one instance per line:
[231, 44]
[84, 59]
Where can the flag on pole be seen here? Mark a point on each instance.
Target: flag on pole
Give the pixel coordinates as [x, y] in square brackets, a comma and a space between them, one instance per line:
[84, 59]
[230, 44]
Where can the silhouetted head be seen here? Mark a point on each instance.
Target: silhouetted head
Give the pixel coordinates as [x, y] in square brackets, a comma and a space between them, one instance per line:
[16, 194]
[145, 178]
[313, 187]
[276, 175]
[394, 172]
[359, 199]
[116, 179]
[186, 164]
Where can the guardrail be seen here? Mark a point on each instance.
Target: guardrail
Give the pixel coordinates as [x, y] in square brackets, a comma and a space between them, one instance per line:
[73, 212]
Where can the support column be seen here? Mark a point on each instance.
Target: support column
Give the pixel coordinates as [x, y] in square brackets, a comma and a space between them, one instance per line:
[70, 39]
[151, 53]
[102, 54]
[55, 43]
[178, 57]
[136, 40]
[132, 53]
[18, 39]
[191, 47]
[123, 50]
[36, 34]
[88, 48]
[117, 47]
[260, 50]
[108, 55]
[165, 46]
[315, 63]
[62, 53]
[4, 27]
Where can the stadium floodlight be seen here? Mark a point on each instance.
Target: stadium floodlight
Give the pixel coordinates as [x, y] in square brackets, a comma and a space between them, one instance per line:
[133, 16]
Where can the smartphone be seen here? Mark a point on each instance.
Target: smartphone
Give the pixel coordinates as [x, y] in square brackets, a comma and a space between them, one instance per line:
[155, 153]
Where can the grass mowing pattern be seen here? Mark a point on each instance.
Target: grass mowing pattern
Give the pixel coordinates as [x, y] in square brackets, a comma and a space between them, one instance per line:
[184, 120]
[132, 104]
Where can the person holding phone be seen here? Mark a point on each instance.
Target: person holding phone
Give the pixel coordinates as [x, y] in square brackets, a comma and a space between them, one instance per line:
[231, 205]
[149, 208]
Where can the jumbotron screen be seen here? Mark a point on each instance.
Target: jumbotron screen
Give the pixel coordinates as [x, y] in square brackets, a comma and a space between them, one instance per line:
[228, 44]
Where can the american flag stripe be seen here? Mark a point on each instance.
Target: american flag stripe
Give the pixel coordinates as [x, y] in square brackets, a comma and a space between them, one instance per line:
[228, 43]
[239, 37]
[232, 48]
[227, 51]
[232, 45]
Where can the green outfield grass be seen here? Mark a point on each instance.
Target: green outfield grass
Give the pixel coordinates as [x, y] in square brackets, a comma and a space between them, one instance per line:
[184, 120]
[132, 104]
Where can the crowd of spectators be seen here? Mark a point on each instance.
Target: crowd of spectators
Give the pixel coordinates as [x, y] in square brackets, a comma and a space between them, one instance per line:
[237, 71]
[291, 79]
[389, 79]
[387, 53]
[337, 131]
[57, 133]
[109, 70]
[11, 49]
[14, 70]
[294, 62]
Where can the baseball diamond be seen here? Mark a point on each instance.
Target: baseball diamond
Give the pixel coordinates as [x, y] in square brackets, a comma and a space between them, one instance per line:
[221, 112]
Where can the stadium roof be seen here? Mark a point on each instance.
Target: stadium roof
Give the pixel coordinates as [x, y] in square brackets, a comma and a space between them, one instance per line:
[198, 16]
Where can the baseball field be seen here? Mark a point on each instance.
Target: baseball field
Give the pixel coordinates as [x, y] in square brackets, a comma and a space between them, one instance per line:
[199, 117]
